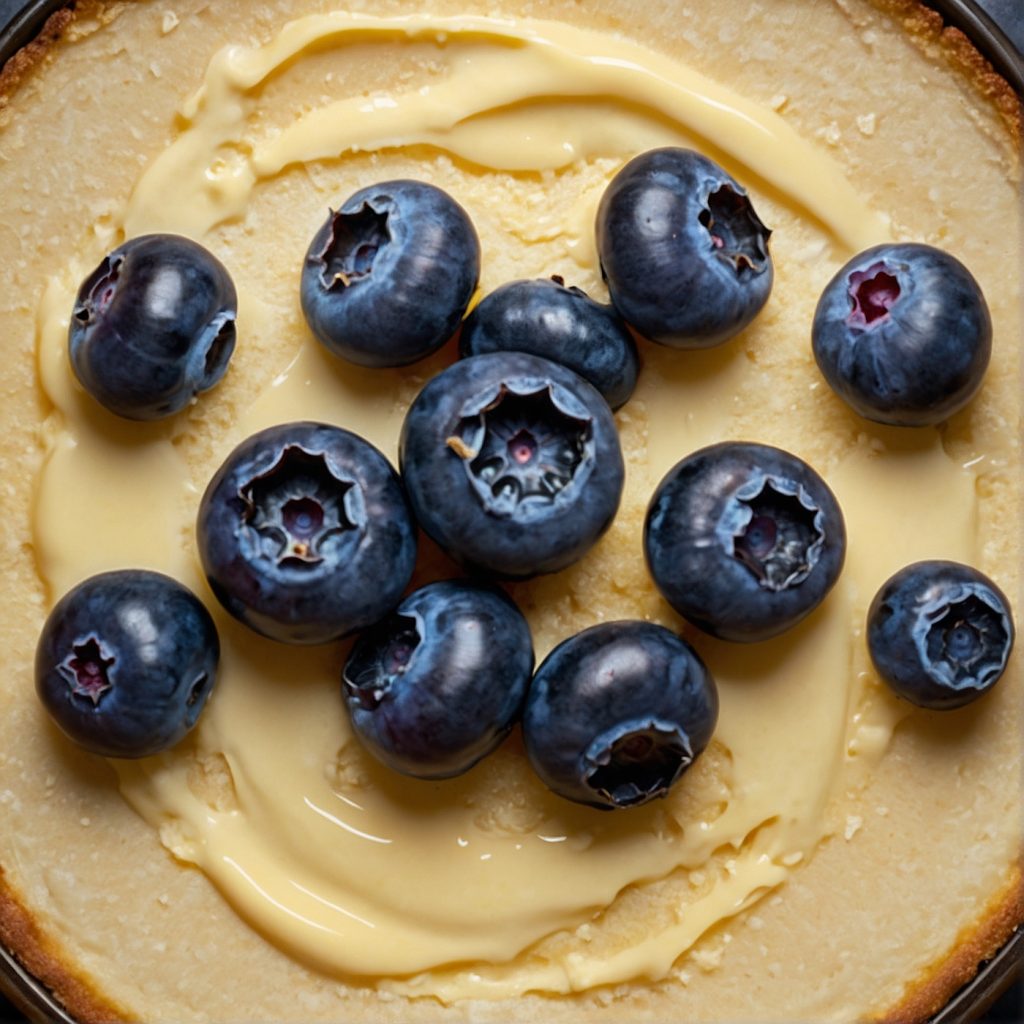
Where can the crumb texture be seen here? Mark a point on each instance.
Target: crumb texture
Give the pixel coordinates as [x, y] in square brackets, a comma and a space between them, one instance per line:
[917, 815]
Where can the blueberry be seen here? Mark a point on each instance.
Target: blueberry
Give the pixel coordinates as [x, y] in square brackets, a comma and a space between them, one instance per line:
[903, 335]
[617, 713]
[940, 633]
[153, 326]
[388, 277]
[682, 250]
[438, 684]
[744, 540]
[126, 661]
[305, 533]
[512, 464]
[544, 318]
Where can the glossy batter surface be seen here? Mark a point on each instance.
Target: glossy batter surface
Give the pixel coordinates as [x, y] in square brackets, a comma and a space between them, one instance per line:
[770, 862]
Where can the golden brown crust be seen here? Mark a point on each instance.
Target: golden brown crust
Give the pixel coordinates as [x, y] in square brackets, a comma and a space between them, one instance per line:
[993, 87]
[18, 931]
[926, 27]
[37, 955]
[29, 57]
[1005, 913]
[930, 992]
[36, 53]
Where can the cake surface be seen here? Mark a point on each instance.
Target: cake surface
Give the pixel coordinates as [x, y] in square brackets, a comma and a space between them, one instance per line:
[834, 855]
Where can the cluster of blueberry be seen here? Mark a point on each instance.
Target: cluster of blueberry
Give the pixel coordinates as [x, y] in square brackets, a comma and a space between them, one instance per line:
[510, 461]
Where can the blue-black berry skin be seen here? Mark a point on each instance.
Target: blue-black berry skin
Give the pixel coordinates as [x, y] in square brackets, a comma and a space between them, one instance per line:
[438, 684]
[305, 533]
[126, 662]
[617, 713]
[547, 319]
[744, 540]
[153, 326]
[940, 634]
[683, 252]
[903, 335]
[388, 277]
[512, 464]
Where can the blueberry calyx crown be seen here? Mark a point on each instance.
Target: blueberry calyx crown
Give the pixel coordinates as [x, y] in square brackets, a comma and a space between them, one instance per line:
[219, 348]
[384, 655]
[736, 231]
[963, 636]
[873, 292]
[197, 696]
[773, 527]
[297, 507]
[351, 246]
[636, 761]
[521, 448]
[87, 670]
[98, 290]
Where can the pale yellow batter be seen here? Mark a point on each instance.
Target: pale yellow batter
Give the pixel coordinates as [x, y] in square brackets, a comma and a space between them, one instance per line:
[487, 887]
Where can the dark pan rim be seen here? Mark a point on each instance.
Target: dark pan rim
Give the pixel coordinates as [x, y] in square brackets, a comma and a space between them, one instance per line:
[987, 36]
[25, 25]
[29, 996]
[993, 979]
[995, 976]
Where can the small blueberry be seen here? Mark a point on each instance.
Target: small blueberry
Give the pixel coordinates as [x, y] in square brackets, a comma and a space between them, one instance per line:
[903, 335]
[683, 252]
[439, 683]
[126, 661]
[744, 540]
[512, 464]
[388, 277]
[153, 326]
[617, 713]
[305, 533]
[940, 634]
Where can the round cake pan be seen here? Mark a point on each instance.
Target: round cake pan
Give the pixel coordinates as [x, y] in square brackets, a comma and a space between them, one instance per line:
[981, 22]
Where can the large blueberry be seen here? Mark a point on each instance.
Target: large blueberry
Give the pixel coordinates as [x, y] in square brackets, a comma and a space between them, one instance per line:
[684, 254]
[512, 463]
[153, 326]
[903, 334]
[126, 661]
[744, 540]
[439, 683]
[617, 713]
[940, 634]
[305, 533]
[388, 277]
[544, 318]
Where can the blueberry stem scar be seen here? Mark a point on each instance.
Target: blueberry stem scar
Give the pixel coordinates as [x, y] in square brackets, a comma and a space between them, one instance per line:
[736, 231]
[963, 637]
[87, 669]
[774, 529]
[352, 245]
[297, 505]
[873, 292]
[635, 762]
[520, 447]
